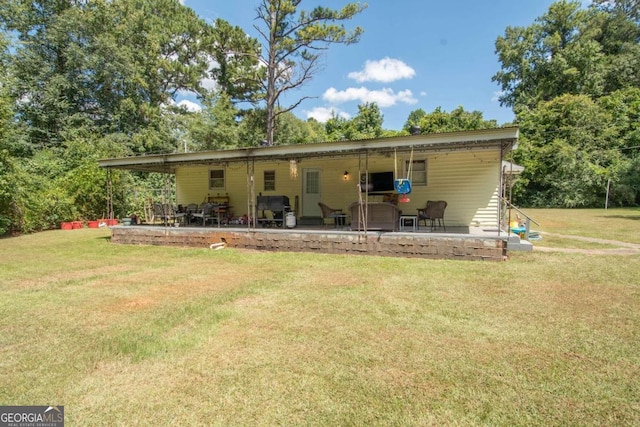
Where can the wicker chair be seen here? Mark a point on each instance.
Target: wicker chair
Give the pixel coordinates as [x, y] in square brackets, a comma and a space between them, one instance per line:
[434, 212]
[329, 213]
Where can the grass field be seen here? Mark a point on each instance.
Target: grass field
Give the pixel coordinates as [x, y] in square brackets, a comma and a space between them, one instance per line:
[131, 335]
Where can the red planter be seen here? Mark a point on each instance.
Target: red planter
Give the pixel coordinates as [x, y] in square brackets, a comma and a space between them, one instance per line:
[66, 225]
[93, 224]
[112, 222]
[76, 225]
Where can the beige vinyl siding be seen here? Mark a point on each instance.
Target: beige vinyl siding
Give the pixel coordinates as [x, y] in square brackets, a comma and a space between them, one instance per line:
[467, 180]
[192, 181]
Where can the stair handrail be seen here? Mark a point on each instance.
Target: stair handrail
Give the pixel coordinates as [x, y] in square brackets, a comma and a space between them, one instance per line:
[527, 222]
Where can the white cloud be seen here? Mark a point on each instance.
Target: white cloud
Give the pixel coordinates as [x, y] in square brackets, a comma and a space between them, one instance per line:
[209, 84]
[496, 96]
[189, 106]
[385, 70]
[322, 114]
[383, 97]
[423, 93]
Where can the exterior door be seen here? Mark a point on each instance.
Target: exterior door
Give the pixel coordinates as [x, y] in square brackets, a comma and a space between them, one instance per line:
[311, 193]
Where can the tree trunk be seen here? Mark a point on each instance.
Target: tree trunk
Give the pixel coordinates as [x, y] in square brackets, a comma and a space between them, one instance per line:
[271, 76]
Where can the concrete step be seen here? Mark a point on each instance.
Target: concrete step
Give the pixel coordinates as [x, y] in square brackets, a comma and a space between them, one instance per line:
[519, 245]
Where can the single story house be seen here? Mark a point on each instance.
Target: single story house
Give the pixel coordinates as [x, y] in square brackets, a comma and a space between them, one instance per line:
[464, 168]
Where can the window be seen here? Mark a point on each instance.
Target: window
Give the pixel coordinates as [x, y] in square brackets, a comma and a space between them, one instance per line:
[216, 179]
[418, 172]
[269, 180]
[312, 182]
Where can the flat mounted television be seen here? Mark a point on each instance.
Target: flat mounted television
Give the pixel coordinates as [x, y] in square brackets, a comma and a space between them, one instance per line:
[379, 182]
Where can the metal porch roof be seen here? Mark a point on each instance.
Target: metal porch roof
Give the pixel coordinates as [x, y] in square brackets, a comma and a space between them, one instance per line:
[503, 138]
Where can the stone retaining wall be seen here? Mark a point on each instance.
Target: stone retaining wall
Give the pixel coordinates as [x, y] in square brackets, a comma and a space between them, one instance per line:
[413, 245]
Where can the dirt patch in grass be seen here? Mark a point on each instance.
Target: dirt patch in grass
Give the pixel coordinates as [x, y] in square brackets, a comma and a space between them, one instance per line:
[171, 285]
[610, 247]
[80, 275]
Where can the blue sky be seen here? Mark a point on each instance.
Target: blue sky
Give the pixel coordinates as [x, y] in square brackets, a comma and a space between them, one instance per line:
[413, 54]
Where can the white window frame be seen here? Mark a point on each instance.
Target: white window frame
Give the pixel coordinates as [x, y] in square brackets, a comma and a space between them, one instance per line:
[217, 180]
[269, 180]
[418, 178]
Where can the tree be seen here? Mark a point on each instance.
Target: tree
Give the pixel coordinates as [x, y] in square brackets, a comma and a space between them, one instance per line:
[236, 56]
[5, 102]
[291, 130]
[572, 78]
[315, 131]
[414, 119]
[441, 121]
[618, 34]
[337, 127]
[292, 46]
[568, 153]
[88, 79]
[368, 122]
[111, 65]
[570, 50]
[215, 127]
[554, 56]
[623, 108]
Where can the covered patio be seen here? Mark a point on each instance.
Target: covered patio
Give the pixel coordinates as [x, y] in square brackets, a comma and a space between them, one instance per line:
[356, 178]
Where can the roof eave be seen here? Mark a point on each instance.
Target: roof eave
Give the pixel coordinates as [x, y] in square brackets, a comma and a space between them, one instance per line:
[166, 163]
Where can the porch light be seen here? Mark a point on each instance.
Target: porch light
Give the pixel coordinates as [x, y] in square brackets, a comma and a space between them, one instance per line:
[346, 176]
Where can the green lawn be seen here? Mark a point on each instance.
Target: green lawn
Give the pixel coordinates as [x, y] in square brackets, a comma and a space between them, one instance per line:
[131, 335]
[611, 224]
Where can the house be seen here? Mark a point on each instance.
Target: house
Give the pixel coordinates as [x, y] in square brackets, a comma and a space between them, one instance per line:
[465, 169]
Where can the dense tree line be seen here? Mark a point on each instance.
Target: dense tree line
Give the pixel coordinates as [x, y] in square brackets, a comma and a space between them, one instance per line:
[86, 80]
[573, 80]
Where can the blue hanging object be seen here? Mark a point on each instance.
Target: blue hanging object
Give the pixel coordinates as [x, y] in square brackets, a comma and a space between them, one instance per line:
[403, 186]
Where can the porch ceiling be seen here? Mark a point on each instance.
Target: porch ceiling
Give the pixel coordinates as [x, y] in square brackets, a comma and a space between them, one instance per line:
[500, 138]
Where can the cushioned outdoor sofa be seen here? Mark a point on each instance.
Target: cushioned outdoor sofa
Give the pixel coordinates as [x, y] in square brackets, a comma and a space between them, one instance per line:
[380, 216]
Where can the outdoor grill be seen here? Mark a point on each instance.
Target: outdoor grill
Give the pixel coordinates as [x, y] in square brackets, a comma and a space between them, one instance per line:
[277, 205]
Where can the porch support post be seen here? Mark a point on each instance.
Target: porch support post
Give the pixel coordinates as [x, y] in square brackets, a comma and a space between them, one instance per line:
[363, 206]
[501, 191]
[505, 202]
[167, 186]
[109, 194]
[251, 194]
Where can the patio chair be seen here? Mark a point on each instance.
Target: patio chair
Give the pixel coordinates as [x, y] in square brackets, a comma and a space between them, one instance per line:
[329, 213]
[158, 213]
[172, 214]
[204, 213]
[192, 207]
[167, 213]
[190, 210]
[434, 212]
